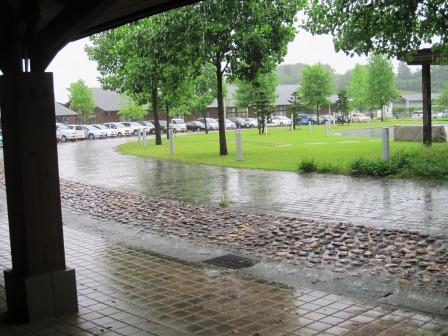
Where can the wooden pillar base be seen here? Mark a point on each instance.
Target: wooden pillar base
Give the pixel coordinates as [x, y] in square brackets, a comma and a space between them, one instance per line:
[40, 296]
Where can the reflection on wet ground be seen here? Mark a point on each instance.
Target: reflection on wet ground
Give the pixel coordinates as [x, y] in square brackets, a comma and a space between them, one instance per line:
[393, 204]
[129, 292]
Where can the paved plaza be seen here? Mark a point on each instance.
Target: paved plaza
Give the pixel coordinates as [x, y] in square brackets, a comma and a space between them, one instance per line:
[130, 292]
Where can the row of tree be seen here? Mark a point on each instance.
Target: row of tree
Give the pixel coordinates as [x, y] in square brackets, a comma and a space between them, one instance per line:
[179, 60]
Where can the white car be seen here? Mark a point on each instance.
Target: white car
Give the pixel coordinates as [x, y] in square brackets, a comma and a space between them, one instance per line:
[281, 121]
[253, 122]
[66, 133]
[110, 132]
[135, 127]
[178, 125]
[230, 124]
[79, 129]
[212, 124]
[149, 125]
[273, 122]
[359, 117]
[119, 127]
[92, 132]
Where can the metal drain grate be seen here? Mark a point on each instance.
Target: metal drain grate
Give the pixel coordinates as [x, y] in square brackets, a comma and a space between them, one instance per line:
[231, 261]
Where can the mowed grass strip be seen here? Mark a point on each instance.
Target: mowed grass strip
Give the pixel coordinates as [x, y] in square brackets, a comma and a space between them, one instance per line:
[281, 149]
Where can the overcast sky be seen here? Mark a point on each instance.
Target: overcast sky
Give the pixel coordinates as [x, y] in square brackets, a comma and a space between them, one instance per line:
[72, 62]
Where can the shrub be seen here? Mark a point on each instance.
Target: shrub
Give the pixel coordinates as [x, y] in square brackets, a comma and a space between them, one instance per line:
[307, 166]
[224, 202]
[373, 167]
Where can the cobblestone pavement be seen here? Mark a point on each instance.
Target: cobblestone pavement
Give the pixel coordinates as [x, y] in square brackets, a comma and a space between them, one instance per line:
[383, 203]
[130, 292]
[408, 258]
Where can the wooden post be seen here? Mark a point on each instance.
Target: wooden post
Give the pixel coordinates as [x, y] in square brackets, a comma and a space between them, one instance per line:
[426, 90]
[38, 285]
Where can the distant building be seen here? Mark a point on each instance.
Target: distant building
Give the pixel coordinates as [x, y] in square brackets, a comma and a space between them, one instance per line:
[107, 105]
[65, 115]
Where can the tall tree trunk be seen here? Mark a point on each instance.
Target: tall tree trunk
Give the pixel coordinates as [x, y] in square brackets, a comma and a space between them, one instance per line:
[222, 125]
[155, 110]
[382, 114]
[318, 114]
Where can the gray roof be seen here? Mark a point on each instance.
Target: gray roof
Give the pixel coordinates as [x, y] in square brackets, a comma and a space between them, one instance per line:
[108, 100]
[62, 111]
[284, 92]
[417, 96]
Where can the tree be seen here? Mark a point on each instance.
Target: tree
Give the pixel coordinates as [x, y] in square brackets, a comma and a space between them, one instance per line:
[296, 103]
[259, 94]
[390, 27]
[342, 103]
[240, 38]
[442, 100]
[144, 59]
[130, 110]
[380, 83]
[357, 88]
[316, 86]
[81, 100]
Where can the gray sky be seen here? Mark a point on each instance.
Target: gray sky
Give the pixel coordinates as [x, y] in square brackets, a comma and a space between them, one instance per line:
[72, 62]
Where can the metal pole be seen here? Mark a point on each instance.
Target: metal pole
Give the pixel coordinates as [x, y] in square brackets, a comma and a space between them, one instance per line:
[239, 145]
[139, 133]
[327, 127]
[171, 142]
[309, 127]
[145, 142]
[386, 149]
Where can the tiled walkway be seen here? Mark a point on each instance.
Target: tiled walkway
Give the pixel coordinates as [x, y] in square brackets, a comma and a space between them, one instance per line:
[128, 292]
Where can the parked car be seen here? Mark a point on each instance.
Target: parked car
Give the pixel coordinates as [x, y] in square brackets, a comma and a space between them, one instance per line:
[282, 120]
[230, 124]
[178, 125]
[253, 122]
[273, 122]
[359, 117]
[79, 129]
[328, 117]
[110, 132]
[67, 133]
[91, 132]
[134, 126]
[304, 119]
[195, 126]
[211, 123]
[163, 125]
[150, 126]
[417, 115]
[240, 122]
[120, 128]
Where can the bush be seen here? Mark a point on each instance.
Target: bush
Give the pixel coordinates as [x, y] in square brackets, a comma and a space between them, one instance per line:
[307, 166]
[224, 202]
[373, 167]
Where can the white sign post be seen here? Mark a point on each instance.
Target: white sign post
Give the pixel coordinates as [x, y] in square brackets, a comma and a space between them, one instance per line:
[386, 149]
[139, 133]
[171, 142]
[309, 127]
[145, 142]
[239, 145]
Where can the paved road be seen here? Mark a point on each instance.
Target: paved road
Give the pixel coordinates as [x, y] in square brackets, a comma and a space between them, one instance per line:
[401, 204]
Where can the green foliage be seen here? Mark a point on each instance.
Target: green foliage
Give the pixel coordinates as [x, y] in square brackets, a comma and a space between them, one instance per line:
[316, 85]
[259, 94]
[342, 103]
[372, 167]
[81, 100]
[380, 83]
[357, 88]
[308, 166]
[224, 202]
[392, 27]
[130, 110]
[442, 100]
[296, 103]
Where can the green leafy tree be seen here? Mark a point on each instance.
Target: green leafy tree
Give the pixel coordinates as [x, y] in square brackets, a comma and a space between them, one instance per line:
[295, 104]
[442, 100]
[342, 102]
[380, 83]
[81, 100]
[390, 27]
[130, 110]
[357, 88]
[316, 86]
[240, 38]
[259, 94]
[144, 59]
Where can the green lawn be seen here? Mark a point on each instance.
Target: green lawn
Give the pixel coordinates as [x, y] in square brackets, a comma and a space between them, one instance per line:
[281, 149]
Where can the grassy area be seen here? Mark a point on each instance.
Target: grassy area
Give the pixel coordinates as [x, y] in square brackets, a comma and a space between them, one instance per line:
[281, 149]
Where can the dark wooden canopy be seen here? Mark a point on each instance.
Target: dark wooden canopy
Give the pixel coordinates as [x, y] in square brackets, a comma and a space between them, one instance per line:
[38, 29]
[426, 58]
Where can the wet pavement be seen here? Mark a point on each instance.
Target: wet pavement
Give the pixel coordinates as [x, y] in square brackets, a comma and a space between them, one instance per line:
[383, 203]
[124, 291]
